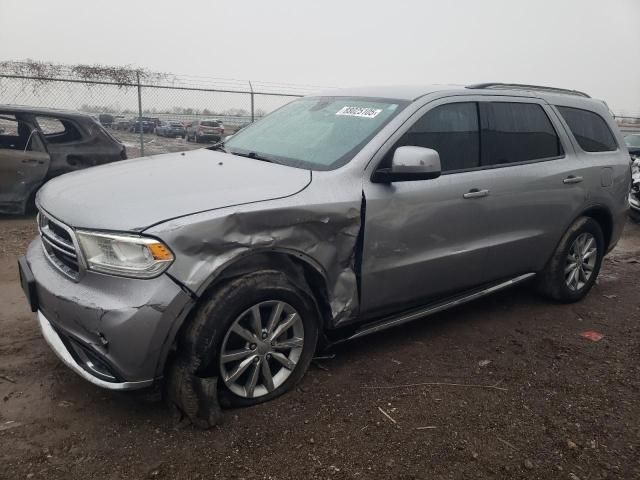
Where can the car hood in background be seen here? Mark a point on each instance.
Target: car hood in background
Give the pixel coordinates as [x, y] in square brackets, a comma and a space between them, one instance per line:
[138, 193]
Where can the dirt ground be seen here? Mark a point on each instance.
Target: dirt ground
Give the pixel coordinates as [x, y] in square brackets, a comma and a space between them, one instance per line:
[546, 402]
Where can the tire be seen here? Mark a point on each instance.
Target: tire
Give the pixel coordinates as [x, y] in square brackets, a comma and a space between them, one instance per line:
[556, 281]
[209, 334]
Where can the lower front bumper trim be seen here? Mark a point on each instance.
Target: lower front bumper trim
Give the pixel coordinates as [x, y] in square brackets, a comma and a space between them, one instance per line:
[57, 345]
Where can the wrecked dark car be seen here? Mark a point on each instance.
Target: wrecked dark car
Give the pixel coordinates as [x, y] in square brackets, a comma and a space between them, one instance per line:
[334, 217]
[37, 144]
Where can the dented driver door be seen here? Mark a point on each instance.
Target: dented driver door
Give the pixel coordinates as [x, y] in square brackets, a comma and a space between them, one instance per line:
[24, 163]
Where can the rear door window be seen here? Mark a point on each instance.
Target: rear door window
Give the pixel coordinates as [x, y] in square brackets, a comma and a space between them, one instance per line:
[516, 132]
[590, 130]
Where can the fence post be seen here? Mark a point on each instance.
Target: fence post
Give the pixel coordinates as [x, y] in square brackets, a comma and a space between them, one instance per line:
[252, 110]
[140, 114]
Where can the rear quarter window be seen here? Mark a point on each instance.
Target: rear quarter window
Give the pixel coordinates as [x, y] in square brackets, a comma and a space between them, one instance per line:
[590, 130]
[60, 130]
[50, 125]
[516, 132]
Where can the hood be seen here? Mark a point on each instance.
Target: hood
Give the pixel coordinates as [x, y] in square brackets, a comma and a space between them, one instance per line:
[138, 193]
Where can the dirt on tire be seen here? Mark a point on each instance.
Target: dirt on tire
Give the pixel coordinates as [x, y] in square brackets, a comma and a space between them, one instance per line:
[505, 387]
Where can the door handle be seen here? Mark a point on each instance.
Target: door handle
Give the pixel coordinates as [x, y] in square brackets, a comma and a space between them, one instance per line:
[571, 179]
[476, 193]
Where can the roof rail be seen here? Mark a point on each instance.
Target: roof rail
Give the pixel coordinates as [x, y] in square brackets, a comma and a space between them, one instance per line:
[519, 86]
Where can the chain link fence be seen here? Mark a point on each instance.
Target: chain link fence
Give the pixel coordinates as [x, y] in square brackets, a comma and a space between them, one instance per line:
[118, 97]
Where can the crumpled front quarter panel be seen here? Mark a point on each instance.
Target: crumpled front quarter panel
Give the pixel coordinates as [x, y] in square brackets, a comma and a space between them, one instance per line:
[319, 225]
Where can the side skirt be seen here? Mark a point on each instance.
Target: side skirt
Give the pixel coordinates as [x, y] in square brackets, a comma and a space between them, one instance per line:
[422, 312]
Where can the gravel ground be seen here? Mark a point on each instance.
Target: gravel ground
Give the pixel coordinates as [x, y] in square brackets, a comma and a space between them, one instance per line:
[532, 398]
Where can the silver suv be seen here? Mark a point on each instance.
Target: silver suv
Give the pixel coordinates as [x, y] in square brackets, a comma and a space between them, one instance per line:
[334, 217]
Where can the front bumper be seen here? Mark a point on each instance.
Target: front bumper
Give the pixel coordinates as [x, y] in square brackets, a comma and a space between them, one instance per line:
[114, 332]
[82, 368]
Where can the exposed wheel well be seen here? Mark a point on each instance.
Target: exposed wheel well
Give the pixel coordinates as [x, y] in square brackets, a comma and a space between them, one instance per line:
[604, 219]
[301, 271]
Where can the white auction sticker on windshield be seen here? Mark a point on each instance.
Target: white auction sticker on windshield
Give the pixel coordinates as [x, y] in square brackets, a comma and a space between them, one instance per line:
[363, 112]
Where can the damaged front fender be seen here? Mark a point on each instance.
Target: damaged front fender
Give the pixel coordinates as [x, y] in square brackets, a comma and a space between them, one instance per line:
[321, 232]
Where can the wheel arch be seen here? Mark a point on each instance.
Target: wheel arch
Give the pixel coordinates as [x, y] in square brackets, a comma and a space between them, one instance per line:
[602, 215]
[299, 266]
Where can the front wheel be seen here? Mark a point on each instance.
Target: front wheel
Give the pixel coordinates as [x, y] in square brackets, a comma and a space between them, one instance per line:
[574, 266]
[257, 333]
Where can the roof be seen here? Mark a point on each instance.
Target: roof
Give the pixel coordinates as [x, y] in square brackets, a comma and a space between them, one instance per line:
[400, 92]
[413, 92]
[42, 111]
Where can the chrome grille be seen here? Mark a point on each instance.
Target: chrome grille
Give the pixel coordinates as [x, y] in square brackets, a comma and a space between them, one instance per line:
[59, 245]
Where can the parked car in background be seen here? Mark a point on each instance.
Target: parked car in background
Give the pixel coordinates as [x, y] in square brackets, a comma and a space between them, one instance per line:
[633, 145]
[171, 129]
[106, 119]
[38, 144]
[334, 217]
[121, 124]
[146, 124]
[206, 130]
[632, 141]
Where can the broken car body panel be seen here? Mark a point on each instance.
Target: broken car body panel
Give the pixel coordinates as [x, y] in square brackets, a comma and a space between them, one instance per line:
[125, 323]
[46, 144]
[318, 226]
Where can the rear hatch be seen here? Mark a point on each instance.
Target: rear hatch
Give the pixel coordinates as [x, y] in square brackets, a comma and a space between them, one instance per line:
[210, 128]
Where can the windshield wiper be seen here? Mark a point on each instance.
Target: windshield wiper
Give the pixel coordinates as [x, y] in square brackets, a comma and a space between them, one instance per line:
[254, 156]
[218, 146]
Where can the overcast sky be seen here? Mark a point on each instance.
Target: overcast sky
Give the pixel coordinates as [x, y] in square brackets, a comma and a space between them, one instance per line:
[590, 45]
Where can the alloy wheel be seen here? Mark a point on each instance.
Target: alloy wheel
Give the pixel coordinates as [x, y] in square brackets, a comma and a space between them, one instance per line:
[581, 261]
[261, 348]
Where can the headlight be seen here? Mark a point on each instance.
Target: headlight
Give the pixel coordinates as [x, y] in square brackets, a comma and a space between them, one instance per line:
[126, 255]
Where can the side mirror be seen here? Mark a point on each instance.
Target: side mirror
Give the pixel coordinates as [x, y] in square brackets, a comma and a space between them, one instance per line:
[409, 164]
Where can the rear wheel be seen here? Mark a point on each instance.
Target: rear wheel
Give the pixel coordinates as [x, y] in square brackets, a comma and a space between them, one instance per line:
[257, 333]
[575, 265]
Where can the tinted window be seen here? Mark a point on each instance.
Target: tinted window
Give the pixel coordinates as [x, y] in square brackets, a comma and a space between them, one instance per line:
[590, 130]
[452, 131]
[208, 123]
[516, 132]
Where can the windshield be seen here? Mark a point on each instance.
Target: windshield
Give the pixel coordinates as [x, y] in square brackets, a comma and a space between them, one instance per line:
[632, 140]
[318, 133]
